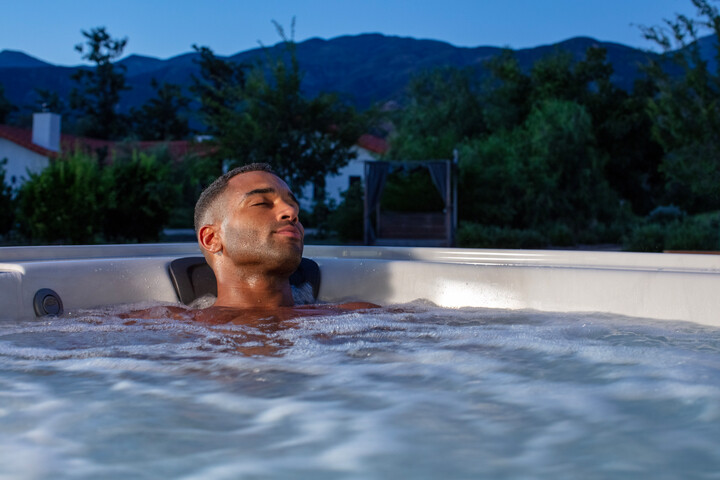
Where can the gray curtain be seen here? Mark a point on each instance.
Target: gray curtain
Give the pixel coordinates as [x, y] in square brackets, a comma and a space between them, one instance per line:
[375, 175]
[439, 174]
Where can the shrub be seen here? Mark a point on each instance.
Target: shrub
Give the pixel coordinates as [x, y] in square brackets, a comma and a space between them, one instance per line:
[666, 213]
[73, 200]
[7, 203]
[411, 191]
[191, 175]
[694, 233]
[560, 235]
[140, 196]
[63, 202]
[347, 219]
[491, 236]
[657, 233]
[646, 237]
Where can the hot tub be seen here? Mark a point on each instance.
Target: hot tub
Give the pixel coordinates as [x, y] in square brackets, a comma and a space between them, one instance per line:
[659, 286]
[553, 371]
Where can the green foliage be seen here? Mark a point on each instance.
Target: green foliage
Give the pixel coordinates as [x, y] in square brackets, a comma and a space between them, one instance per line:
[685, 111]
[191, 175]
[6, 108]
[558, 149]
[347, 219]
[646, 238]
[545, 172]
[411, 191]
[63, 203]
[161, 117]
[7, 202]
[139, 198]
[695, 233]
[506, 102]
[98, 93]
[475, 235]
[74, 201]
[443, 109]
[262, 116]
[668, 231]
[49, 101]
[219, 89]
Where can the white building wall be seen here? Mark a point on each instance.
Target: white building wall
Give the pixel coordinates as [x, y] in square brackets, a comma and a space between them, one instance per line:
[20, 160]
[335, 185]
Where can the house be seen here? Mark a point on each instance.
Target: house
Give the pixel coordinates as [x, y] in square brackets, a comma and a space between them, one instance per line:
[29, 150]
[366, 149]
[33, 150]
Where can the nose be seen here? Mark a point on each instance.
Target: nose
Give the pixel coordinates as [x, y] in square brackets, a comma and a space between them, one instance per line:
[288, 211]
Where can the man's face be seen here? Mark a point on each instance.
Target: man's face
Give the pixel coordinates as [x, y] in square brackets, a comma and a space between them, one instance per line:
[260, 223]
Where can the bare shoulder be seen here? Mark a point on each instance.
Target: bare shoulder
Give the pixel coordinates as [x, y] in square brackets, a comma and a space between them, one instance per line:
[161, 311]
[357, 306]
[333, 308]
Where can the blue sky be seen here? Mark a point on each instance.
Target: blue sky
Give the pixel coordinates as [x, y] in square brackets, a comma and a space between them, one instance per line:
[49, 29]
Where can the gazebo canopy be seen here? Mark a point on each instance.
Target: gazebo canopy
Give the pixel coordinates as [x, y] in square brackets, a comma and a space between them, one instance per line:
[376, 172]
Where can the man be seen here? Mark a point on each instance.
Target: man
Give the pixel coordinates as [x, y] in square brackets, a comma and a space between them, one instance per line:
[248, 230]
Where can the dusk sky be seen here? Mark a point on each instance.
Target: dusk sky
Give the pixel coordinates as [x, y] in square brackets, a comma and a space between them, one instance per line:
[49, 29]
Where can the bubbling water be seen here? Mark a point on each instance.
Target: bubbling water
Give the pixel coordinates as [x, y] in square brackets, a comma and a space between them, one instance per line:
[406, 391]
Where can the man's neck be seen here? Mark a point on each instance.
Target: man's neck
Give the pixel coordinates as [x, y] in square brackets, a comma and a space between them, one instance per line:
[253, 291]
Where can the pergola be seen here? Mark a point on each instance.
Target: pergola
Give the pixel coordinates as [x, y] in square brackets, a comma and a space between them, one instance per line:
[431, 229]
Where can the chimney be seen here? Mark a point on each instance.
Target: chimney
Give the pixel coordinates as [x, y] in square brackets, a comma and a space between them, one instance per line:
[46, 130]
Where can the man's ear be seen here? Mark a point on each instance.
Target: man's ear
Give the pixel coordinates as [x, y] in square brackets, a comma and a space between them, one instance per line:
[209, 238]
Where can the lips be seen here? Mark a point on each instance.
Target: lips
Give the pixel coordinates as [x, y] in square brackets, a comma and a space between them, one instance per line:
[289, 231]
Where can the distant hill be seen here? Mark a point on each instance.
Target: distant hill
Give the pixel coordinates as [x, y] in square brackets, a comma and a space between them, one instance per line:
[363, 69]
[16, 59]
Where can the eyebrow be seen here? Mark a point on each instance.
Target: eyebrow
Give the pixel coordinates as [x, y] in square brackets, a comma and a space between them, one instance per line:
[262, 191]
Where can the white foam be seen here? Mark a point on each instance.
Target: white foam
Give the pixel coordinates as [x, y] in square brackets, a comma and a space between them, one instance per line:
[408, 391]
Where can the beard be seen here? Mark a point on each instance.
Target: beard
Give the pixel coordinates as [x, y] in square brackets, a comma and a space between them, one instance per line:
[261, 248]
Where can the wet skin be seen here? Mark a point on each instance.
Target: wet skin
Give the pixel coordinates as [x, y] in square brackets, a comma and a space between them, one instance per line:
[255, 242]
[255, 239]
[264, 321]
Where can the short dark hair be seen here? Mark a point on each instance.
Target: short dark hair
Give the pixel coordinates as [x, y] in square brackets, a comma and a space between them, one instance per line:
[216, 188]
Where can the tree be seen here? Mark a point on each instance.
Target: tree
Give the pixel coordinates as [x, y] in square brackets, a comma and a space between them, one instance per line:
[619, 121]
[7, 202]
[98, 95]
[506, 95]
[219, 89]
[443, 109]
[160, 118]
[6, 108]
[304, 139]
[48, 101]
[63, 202]
[543, 175]
[686, 110]
[75, 200]
[138, 197]
[262, 116]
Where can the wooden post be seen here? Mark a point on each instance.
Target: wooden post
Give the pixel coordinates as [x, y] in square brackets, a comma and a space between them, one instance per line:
[366, 208]
[449, 205]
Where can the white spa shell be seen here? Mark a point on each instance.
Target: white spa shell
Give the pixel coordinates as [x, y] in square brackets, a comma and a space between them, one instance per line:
[661, 286]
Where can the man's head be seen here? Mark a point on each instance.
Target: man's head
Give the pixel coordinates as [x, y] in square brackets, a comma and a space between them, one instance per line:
[213, 191]
[249, 217]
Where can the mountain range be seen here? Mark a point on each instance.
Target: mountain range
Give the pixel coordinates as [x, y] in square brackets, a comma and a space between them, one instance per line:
[362, 69]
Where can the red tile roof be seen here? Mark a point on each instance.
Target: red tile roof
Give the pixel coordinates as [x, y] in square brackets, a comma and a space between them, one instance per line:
[373, 143]
[177, 148]
[23, 137]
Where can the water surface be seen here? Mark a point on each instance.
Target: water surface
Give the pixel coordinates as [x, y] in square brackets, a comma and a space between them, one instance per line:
[410, 392]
